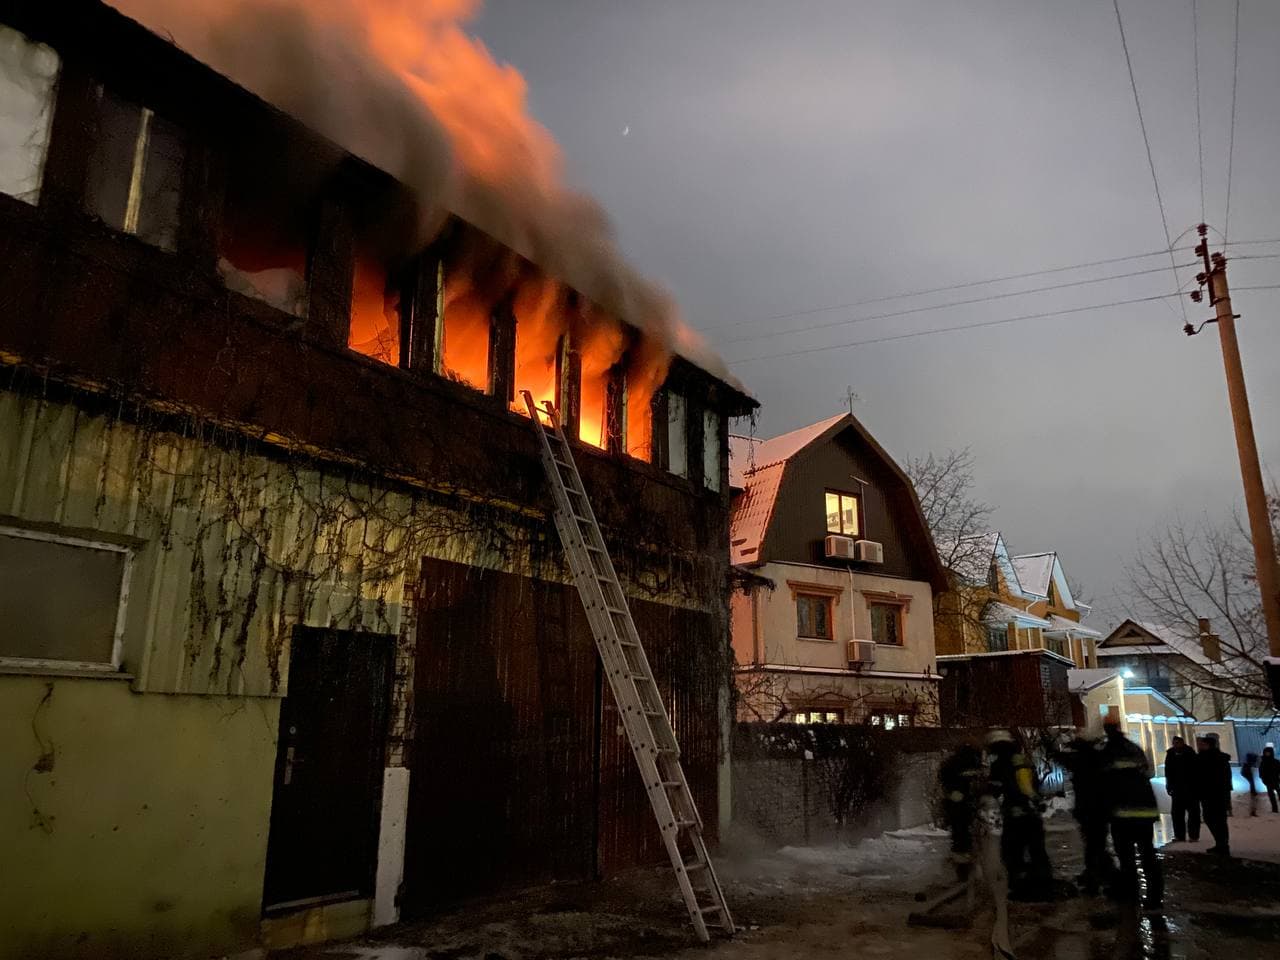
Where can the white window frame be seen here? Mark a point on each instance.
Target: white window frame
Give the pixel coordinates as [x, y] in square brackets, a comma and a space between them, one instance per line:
[711, 452]
[677, 434]
[126, 575]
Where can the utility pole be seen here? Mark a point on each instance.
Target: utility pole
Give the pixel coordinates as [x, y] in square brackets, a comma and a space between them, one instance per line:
[1255, 496]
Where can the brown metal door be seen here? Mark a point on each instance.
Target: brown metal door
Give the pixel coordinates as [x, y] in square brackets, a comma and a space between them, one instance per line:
[503, 789]
[330, 754]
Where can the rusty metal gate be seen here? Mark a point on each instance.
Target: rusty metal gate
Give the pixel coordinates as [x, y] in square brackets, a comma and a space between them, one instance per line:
[520, 772]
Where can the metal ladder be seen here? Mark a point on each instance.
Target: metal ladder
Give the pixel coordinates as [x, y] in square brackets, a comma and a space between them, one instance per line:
[640, 705]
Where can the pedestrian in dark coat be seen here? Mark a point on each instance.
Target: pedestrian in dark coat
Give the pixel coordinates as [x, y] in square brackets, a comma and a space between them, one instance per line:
[1180, 781]
[1269, 774]
[1213, 788]
[1126, 781]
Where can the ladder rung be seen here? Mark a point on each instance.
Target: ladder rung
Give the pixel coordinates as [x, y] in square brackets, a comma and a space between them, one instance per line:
[691, 867]
[671, 784]
[713, 908]
[616, 611]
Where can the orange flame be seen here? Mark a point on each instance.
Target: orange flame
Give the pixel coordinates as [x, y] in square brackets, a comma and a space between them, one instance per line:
[375, 321]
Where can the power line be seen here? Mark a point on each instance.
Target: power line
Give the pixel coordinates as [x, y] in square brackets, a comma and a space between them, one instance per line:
[944, 306]
[1231, 140]
[1142, 125]
[1195, 46]
[961, 326]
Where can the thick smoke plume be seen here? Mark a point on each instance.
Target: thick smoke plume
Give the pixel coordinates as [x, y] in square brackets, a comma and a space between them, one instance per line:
[401, 84]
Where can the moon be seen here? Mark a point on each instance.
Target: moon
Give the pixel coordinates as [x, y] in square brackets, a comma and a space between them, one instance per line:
[626, 131]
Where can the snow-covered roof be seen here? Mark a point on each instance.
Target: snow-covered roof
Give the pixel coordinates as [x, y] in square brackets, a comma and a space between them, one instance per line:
[1175, 640]
[1003, 613]
[1059, 624]
[1034, 572]
[1082, 680]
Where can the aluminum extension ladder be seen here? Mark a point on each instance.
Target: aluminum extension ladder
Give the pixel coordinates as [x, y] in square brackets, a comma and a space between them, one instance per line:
[640, 705]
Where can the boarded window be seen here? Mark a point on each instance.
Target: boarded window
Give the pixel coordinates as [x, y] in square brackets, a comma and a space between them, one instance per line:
[135, 174]
[711, 449]
[813, 617]
[28, 77]
[61, 599]
[677, 434]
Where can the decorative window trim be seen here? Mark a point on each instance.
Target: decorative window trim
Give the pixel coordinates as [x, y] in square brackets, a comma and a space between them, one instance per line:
[900, 599]
[815, 590]
[91, 667]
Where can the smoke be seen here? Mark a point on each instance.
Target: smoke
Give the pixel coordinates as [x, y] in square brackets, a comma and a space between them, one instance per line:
[402, 85]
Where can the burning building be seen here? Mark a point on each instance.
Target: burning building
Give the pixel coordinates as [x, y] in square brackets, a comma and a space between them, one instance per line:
[289, 645]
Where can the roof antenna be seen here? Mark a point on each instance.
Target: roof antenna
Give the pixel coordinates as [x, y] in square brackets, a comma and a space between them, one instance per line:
[851, 398]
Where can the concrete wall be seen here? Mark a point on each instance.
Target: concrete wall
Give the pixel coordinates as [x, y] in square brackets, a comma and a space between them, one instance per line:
[132, 825]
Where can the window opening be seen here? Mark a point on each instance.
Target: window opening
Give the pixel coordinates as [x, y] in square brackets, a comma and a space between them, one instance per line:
[818, 715]
[813, 617]
[375, 311]
[263, 243]
[28, 79]
[842, 514]
[886, 623]
[135, 173]
[711, 440]
[677, 434]
[62, 599]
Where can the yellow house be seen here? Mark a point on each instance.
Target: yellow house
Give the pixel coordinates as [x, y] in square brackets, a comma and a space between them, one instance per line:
[1002, 603]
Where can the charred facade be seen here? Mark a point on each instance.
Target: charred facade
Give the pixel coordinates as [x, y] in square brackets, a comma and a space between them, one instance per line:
[301, 618]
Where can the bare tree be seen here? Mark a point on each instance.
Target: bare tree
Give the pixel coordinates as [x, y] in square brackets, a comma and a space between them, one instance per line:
[1204, 570]
[958, 520]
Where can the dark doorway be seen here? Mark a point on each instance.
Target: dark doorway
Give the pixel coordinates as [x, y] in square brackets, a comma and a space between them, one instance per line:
[329, 759]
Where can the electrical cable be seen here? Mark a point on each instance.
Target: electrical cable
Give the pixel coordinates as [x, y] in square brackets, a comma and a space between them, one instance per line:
[955, 303]
[1195, 47]
[1142, 125]
[957, 327]
[1231, 139]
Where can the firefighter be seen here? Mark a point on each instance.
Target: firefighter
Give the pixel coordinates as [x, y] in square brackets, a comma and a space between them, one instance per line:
[1083, 759]
[1013, 781]
[1126, 784]
[961, 776]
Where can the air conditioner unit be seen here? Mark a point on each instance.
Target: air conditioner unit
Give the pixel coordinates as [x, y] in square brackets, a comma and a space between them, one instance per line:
[840, 547]
[868, 551]
[862, 653]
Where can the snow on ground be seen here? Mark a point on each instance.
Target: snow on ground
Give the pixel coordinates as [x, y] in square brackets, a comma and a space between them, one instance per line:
[1252, 838]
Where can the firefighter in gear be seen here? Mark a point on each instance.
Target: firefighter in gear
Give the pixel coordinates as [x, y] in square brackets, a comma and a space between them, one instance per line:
[962, 776]
[1126, 783]
[1083, 759]
[1013, 781]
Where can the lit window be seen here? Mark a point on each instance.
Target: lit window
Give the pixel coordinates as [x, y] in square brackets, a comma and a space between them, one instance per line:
[819, 716]
[61, 599]
[842, 514]
[711, 449]
[135, 173]
[375, 312]
[891, 720]
[677, 434]
[28, 77]
[886, 623]
[813, 617]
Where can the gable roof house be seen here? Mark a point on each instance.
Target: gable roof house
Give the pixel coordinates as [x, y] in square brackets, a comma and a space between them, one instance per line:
[1187, 664]
[1007, 635]
[278, 560]
[843, 632]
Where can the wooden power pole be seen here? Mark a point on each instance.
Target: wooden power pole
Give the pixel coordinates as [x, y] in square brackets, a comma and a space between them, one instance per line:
[1255, 495]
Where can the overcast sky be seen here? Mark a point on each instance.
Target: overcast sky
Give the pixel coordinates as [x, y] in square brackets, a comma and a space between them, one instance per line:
[763, 158]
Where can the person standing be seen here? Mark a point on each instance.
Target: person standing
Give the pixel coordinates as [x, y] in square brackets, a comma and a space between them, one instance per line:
[961, 777]
[1083, 759]
[1269, 774]
[1247, 770]
[1213, 788]
[1126, 781]
[1022, 847]
[1179, 781]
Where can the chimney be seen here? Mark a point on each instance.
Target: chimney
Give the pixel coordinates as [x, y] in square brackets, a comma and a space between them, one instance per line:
[1209, 641]
[1092, 657]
